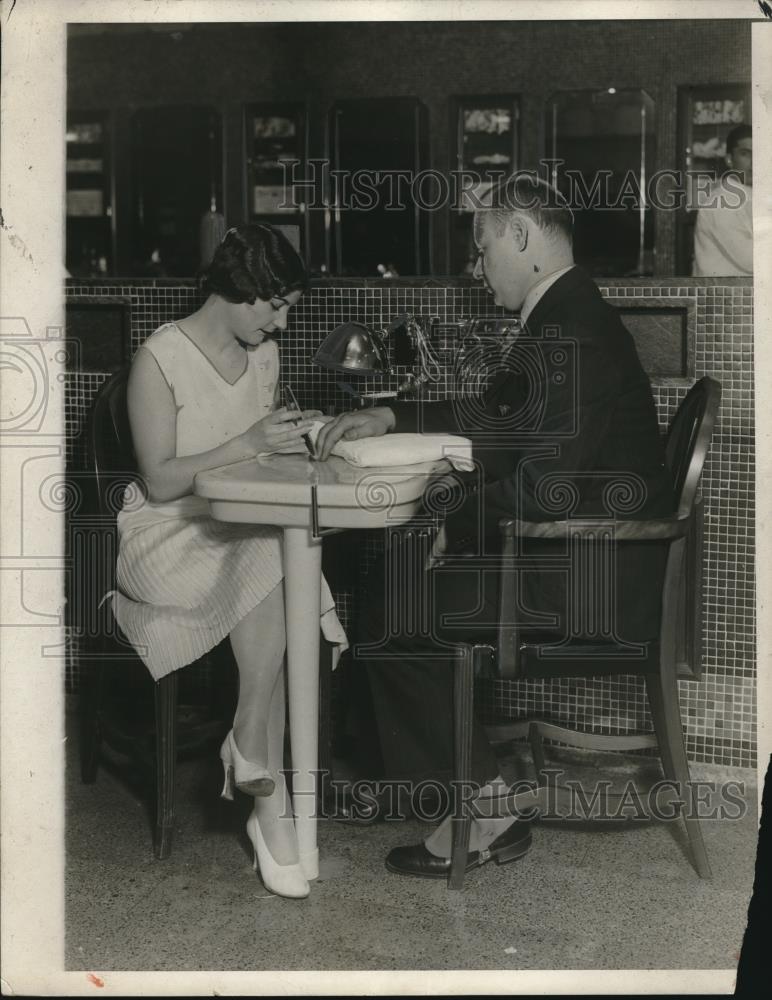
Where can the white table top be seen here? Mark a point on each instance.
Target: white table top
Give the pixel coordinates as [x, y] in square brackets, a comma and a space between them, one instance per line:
[276, 489]
[277, 479]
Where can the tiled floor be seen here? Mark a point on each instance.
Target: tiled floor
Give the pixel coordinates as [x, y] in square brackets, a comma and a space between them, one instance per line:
[593, 896]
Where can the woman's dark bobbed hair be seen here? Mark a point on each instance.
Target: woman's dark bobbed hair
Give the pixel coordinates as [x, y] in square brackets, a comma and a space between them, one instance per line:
[254, 262]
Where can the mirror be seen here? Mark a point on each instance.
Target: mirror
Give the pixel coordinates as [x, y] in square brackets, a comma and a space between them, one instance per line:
[486, 135]
[706, 116]
[377, 228]
[177, 176]
[602, 145]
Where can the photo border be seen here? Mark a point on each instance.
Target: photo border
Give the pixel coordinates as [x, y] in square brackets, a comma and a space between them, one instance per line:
[32, 305]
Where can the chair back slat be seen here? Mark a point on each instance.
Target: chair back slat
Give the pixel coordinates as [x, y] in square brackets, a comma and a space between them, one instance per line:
[110, 451]
[688, 440]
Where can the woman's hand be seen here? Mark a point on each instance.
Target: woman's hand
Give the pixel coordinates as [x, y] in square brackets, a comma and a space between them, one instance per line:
[302, 448]
[351, 426]
[281, 430]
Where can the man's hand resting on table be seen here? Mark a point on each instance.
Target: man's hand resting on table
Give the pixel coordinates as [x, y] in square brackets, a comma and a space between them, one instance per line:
[438, 548]
[351, 426]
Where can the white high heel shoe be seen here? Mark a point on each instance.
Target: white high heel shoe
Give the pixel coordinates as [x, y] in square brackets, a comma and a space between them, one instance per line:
[309, 865]
[282, 880]
[249, 778]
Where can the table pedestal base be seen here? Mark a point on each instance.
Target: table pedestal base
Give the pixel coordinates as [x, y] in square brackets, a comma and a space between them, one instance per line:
[303, 576]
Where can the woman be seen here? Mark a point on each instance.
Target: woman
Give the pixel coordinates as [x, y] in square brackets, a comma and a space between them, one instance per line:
[201, 394]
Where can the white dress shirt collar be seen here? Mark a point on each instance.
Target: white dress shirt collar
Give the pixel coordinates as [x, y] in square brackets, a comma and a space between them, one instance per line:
[539, 290]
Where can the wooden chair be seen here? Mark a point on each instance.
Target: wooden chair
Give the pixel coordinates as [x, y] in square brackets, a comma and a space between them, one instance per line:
[176, 729]
[512, 658]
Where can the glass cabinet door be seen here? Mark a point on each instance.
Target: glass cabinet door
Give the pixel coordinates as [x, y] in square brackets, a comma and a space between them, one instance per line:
[602, 148]
[706, 115]
[276, 145]
[176, 169]
[485, 131]
[379, 147]
[89, 230]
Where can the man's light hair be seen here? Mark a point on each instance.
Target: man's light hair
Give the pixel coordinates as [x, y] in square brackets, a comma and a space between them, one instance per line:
[525, 194]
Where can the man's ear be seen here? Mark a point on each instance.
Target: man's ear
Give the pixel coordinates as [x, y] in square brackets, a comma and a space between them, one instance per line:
[518, 228]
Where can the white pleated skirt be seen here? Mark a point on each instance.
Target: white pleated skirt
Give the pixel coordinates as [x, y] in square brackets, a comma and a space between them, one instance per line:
[184, 582]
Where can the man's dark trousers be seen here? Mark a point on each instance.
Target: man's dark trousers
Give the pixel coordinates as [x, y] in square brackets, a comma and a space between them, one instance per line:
[405, 655]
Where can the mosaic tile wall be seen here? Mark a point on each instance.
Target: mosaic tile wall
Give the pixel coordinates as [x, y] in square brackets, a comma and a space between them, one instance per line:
[718, 710]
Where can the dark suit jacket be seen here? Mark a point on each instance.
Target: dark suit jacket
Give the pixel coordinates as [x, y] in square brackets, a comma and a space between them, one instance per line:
[568, 426]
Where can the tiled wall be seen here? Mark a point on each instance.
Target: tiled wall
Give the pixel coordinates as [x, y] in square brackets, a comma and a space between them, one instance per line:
[719, 710]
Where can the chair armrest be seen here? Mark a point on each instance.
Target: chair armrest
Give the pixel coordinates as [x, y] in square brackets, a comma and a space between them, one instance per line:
[622, 531]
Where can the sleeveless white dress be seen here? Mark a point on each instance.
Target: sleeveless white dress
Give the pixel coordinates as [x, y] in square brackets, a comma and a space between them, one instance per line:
[184, 580]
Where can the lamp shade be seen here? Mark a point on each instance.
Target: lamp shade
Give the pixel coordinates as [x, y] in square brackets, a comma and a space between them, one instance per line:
[352, 348]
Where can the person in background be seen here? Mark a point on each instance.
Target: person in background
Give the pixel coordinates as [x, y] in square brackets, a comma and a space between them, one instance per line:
[723, 235]
[201, 394]
[582, 427]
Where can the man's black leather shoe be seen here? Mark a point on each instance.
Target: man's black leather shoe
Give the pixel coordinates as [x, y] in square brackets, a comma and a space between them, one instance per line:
[510, 845]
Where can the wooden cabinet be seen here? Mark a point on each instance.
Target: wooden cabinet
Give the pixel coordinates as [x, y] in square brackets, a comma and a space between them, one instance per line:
[89, 196]
[706, 115]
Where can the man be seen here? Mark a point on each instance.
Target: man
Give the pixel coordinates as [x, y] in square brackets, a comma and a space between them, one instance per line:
[723, 234]
[569, 415]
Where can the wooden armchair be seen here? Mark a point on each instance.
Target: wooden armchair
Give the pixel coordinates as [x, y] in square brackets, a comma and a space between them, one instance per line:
[687, 446]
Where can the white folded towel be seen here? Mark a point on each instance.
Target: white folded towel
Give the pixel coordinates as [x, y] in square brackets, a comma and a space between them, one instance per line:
[403, 449]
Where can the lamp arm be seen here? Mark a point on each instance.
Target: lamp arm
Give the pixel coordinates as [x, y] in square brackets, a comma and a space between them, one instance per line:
[427, 358]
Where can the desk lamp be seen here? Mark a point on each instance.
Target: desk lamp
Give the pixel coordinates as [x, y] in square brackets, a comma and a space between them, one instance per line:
[355, 349]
